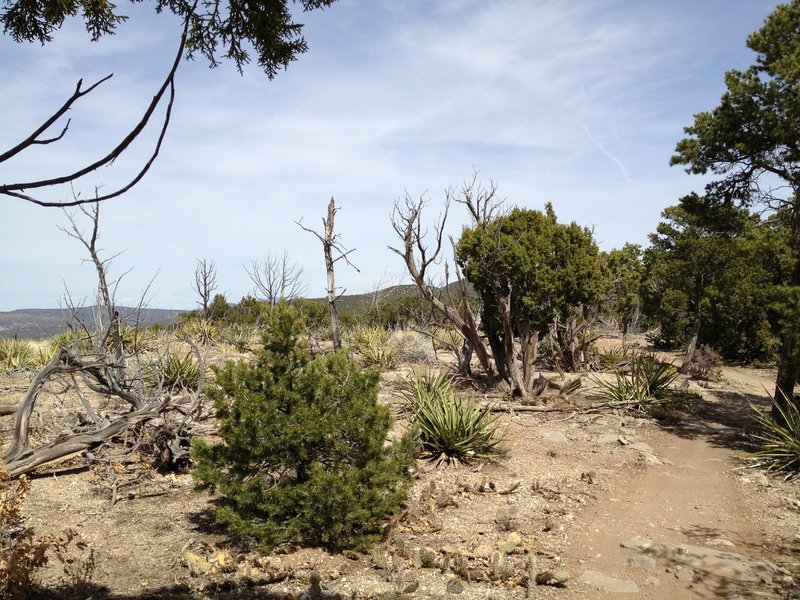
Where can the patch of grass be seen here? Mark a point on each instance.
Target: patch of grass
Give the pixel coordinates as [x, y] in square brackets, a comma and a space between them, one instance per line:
[449, 427]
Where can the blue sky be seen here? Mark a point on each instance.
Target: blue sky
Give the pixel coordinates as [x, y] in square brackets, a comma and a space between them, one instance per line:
[577, 103]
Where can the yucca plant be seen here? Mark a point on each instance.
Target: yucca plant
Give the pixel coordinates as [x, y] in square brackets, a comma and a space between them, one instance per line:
[779, 442]
[203, 330]
[15, 354]
[375, 346]
[449, 427]
[646, 379]
[177, 372]
[239, 336]
[611, 357]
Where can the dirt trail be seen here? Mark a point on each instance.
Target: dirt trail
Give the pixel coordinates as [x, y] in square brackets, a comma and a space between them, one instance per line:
[688, 532]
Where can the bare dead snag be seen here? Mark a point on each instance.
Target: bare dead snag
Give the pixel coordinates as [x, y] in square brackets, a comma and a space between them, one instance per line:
[205, 282]
[333, 251]
[277, 278]
[419, 258]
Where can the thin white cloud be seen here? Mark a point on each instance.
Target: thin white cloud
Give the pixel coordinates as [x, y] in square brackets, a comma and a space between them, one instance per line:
[577, 103]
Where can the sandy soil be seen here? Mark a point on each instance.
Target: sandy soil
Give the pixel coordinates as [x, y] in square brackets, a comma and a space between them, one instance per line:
[621, 504]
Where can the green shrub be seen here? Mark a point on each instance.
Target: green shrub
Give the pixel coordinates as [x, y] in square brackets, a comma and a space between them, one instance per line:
[449, 428]
[779, 443]
[645, 379]
[16, 354]
[375, 346]
[303, 456]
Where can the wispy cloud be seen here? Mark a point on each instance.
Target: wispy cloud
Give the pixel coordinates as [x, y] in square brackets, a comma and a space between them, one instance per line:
[577, 103]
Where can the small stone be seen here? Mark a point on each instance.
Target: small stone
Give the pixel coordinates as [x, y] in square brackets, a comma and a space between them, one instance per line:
[557, 437]
[686, 575]
[607, 583]
[454, 586]
[641, 447]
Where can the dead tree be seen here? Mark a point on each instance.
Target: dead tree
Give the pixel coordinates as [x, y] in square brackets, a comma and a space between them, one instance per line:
[86, 367]
[205, 282]
[334, 252]
[277, 278]
[419, 258]
[28, 190]
[105, 292]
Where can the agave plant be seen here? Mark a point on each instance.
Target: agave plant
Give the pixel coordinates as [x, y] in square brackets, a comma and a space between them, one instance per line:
[15, 354]
[779, 441]
[449, 428]
[646, 379]
[177, 372]
[375, 346]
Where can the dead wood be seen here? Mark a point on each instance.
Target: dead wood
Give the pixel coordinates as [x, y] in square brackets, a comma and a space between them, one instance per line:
[78, 443]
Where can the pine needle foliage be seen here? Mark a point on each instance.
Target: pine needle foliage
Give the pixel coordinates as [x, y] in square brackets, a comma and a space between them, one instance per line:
[779, 442]
[303, 457]
[449, 427]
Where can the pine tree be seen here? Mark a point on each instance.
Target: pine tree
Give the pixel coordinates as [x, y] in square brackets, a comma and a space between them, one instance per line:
[303, 456]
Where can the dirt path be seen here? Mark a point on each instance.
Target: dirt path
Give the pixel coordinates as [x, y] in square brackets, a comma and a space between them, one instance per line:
[679, 529]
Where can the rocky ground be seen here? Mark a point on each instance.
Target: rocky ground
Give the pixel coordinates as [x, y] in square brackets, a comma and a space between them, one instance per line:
[585, 503]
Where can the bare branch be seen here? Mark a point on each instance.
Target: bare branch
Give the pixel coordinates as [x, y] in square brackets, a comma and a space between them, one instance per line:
[205, 282]
[17, 189]
[277, 278]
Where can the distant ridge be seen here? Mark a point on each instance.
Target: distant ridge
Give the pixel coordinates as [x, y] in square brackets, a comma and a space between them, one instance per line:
[39, 323]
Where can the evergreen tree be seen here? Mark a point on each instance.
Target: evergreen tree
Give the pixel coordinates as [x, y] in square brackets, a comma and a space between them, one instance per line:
[303, 456]
[751, 142]
[528, 269]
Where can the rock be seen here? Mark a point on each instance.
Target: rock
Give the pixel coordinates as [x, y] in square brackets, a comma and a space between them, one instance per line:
[641, 447]
[653, 581]
[555, 578]
[607, 583]
[729, 565]
[454, 586]
[557, 437]
[643, 562]
[686, 575]
[608, 438]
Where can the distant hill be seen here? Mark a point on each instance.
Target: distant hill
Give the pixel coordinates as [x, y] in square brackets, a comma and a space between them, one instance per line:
[359, 304]
[39, 323]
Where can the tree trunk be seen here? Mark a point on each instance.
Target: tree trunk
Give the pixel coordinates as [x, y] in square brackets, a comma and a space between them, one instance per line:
[698, 299]
[789, 356]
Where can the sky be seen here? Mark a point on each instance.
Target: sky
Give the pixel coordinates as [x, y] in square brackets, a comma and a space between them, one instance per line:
[575, 103]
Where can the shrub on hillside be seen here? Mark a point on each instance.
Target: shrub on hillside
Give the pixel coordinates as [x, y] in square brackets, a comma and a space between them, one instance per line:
[303, 456]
